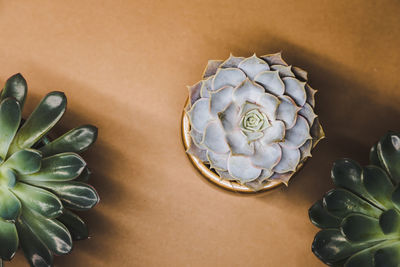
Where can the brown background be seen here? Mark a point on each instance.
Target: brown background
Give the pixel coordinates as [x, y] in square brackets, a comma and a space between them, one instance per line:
[124, 66]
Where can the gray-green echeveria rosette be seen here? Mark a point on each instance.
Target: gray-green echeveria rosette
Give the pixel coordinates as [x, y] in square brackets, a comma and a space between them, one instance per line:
[41, 180]
[360, 218]
[252, 119]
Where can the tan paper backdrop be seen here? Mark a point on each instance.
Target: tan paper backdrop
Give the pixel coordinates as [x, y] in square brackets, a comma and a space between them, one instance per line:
[124, 66]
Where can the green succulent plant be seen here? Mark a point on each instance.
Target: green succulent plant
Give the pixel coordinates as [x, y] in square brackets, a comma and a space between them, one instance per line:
[360, 219]
[252, 119]
[41, 180]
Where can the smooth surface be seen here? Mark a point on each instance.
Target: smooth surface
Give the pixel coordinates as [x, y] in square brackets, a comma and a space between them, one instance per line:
[124, 66]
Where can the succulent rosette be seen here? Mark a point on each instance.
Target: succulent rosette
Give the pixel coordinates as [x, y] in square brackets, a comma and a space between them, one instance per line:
[252, 119]
[41, 180]
[360, 218]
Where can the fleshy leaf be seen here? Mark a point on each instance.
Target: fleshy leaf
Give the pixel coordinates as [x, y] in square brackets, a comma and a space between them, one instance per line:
[378, 185]
[76, 140]
[8, 240]
[214, 138]
[389, 222]
[240, 167]
[253, 65]
[274, 59]
[75, 225]
[10, 206]
[50, 231]
[361, 228]
[389, 154]
[273, 134]
[39, 200]
[220, 99]
[194, 93]
[25, 161]
[310, 95]
[238, 143]
[269, 105]
[341, 203]
[332, 247]
[211, 68]
[200, 115]
[284, 71]
[247, 91]
[296, 90]
[59, 167]
[16, 88]
[287, 111]
[296, 136]
[75, 195]
[289, 161]
[308, 112]
[373, 156]
[228, 77]
[230, 117]
[34, 250]
[271, 81]
[218, 161]
[300, 74]
[232, 62]
[10, 117]
[84, 176]
[321, 218]
[43, 118]
[266, 157]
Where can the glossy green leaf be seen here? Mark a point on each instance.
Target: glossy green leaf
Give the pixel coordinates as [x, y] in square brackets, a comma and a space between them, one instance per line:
[380, 255]
[341, 203]
[373, 156]
[60, 167]
[75, 195]
[43, 118]
[50, 231]
[76, 140]
[15, 87]
[378, 185]
[39, 200]
[321, 218]
[361, 228]
[25, 161]
[35, 251]
[9, 205]
[10, 116]
[84, 176]
[388, 149]
[347, 173]
[390, 222]
[8, 240]
[396, 197]
[332, 247]
[75, 225]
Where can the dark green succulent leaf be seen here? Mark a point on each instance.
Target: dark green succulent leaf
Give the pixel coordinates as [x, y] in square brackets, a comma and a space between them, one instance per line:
[15, 87]
[321, 218]
[76, 140]
[25, 161]
[390, 222]
[331, 247]
[361, 228]
[8, 240]
[341, 202]
[60, 167]
[347, 173]
[43, 118]
[388, 255]
[380, 255]
[373, 156]
[396, 198]
[75, 225]
[37, 254]
[10, 117]
[10, 206]
[84, 176]
[378, 185]
[75, 195]
[39, 200]
[50, 231]
[388, 149]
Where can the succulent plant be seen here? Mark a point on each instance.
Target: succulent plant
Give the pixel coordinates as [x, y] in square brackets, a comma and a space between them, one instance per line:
[360, 219]
[252, 119]
[41, 180]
